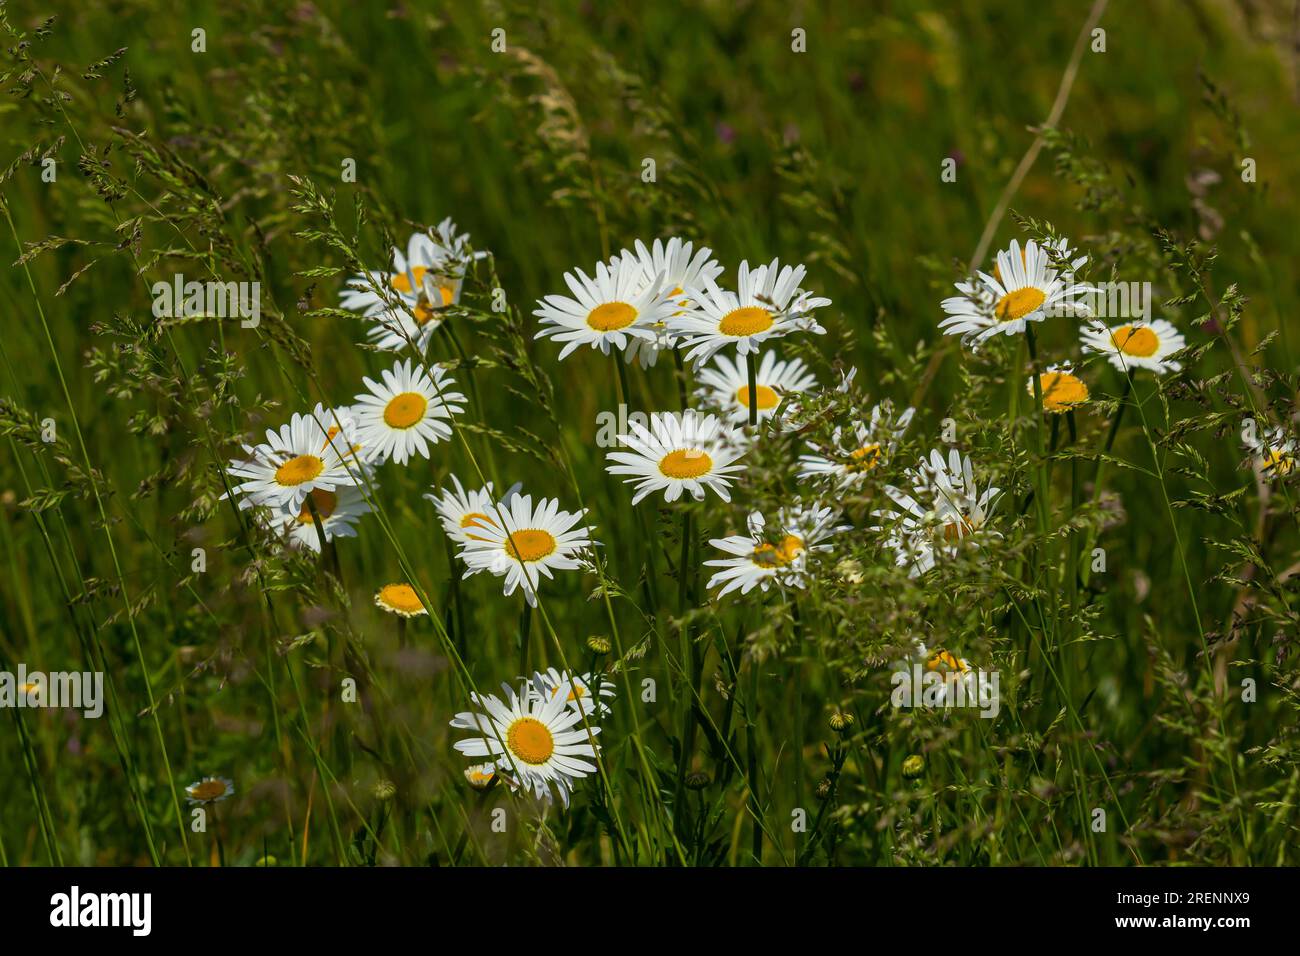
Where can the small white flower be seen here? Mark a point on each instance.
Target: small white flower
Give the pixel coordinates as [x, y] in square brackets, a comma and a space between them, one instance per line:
[406, 413]
[339, 512]
[679, 452]
[774, 555]
[1135, 345]
[461, 511]
[614, 309]
[682, 269]
[1275, 453]
[852, 456]
[298, 459]
[209, 790]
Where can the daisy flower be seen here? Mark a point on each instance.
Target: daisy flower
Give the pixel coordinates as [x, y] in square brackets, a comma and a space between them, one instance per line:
[547, 684]
[768, 304]
[853, 455]
[952, 670]
[777, 555]
[406, 413]
[339, 512]
[615, 308]
[683, 269]
[1026, 289]
[461, 511]
[1062, 390]
[533, 543]
[300, 458]
[538, 745]
[480, 776]
[726, 385]
[209, 790]
[1145, 345]
[400, 599]
[1275, 454]
[679, 452]
[944, 509]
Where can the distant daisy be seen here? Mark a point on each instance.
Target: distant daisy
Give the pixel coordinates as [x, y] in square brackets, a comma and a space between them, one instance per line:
[683, 269]
[339, 512]
[726, 385]
[480, 776]
[291, 463]
[768, 304]
[209, 790]
[1062, 390]
[951, 669]
[406, 413]
[460, 510]
[533, 543]
[774, 555]
[1026, 289]
[1145, 345]
[547, 684]
[1275, 453]
[539, 745]
[679, 452]
[400, 599]
[612, 310]
[855, 453]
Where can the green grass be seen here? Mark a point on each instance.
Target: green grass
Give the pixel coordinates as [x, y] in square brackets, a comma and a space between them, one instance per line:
[1121, 690]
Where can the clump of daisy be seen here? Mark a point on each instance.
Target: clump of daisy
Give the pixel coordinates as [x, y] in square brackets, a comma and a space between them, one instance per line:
[525, 543]
[300, 458]
[407, 302]
[726, 386]
[615, 309]
[400, 599]
[1024, 288]
[685, 452]
[854, 453]
[1274, 454]
[943, 510]
[537, 743]
[209, 790]
[774, 555]
[407, 412]
[1135, 345]
[680, 269]
[585, 690]
[1062, 390]
[768, 303]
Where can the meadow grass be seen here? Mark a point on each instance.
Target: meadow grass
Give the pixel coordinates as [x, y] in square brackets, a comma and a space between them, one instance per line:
[1148, 698]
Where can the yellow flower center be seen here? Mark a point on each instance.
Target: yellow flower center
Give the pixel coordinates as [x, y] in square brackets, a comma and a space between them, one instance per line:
[944, 661]
[1018, 304]
[402, 282]
[749, 320]
[765, 397]
[325, 502]
[864, 459]
[611, 316]
[530, 740]
[405, 410]
[1139, 342]
[576, 692]
[1061, 391]
[476, 519]
[685, 463]
[479, 778]
[768, 555]
[297, 470]
[1278, 462]
[208, 790]
[401, 598]
[954, 531]
[530, 545]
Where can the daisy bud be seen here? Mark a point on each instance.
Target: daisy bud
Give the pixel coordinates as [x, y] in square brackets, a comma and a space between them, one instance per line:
[824, 789]
[913, 766]
[841, 723]
[697, 780]
[598, 645]
[383, 790]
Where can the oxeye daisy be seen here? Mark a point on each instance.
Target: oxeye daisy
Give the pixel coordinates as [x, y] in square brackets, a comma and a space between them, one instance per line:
[533, 543]
[547, 684]
[407, 412]
[538, 744]
[726, 385]
[339, 512]
[400, 599]
[950, 669]
[1275, 453]
[298, 459]
[944, 510]
[209, 790]
[1062, 390]
[1026, 289]
[768, 303]
[678, 452]
[613, 309]
[854, 453]
[683, 269]
[1145, 345]
[461, 511]
[480, 776]
[774, 555]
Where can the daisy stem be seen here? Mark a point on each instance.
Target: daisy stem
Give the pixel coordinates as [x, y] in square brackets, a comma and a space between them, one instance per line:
[1041, 467]
[684, 573]
[753, 389]
[525, 625]
[401, 631]
[680, 378]
[1086, 570]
